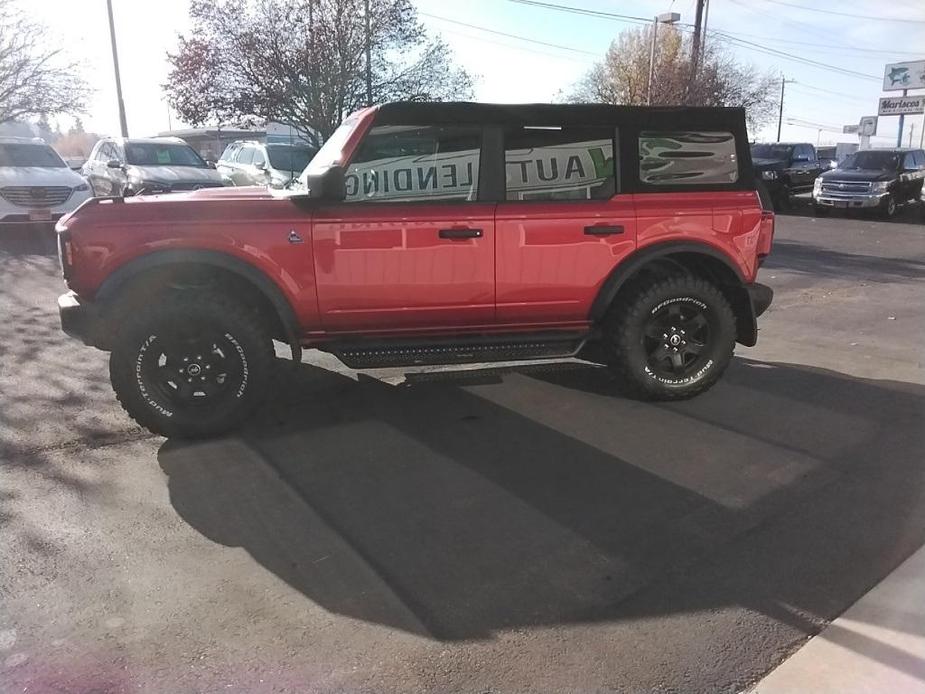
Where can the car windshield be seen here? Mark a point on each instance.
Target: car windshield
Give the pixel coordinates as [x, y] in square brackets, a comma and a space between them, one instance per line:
[771, 151]
[24, 154]
[873, 160]
[289, 158]
[162, 154]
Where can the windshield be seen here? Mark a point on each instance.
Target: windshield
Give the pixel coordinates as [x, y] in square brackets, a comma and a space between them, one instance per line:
[289, 158]
[771, 151]
[330, 152]
[23, 154]
[158, 154]
[873, 160]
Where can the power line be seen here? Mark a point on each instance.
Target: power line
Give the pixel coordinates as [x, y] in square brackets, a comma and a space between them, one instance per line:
[573, 58]
[812, 89]
[848, 14]
[510, 36]
[742, 43]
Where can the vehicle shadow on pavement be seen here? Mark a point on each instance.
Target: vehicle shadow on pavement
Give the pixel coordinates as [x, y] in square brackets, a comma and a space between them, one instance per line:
[459, 504]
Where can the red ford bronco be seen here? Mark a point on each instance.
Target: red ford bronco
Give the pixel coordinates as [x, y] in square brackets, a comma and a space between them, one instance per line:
[434, 233]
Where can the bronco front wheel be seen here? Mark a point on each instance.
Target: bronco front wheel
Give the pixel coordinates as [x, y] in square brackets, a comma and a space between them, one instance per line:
[671, 339]
[191, 367]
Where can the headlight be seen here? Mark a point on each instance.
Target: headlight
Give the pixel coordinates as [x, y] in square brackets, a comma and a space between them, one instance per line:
[769, 175]
[880, 186]
[817, 185]
[83, 187]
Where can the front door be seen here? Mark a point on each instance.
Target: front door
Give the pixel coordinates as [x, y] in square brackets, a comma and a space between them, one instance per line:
[411, 247]
[561, 229]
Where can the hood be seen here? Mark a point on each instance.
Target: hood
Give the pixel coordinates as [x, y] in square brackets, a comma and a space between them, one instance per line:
[173, 174]
[767, 164]
[859, 175]
[39, 176]
[218, 193]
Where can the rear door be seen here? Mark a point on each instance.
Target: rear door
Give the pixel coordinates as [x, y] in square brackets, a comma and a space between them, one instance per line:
[562, 227]
[242, 165]
[411, 247]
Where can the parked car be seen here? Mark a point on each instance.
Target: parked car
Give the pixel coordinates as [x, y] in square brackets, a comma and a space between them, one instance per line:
[35, 183]
[123, 167]
[872, 179]
[248, 163]
[787, 168]
[435, 233]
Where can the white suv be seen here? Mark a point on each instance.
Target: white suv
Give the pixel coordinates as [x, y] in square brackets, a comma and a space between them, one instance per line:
[35, 183]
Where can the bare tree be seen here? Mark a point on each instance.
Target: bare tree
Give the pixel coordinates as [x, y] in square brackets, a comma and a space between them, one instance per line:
[622, 76]
[35, 78]
[302, 62]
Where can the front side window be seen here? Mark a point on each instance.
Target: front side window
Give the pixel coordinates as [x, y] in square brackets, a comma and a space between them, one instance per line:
[258, 157]
[404, 163]
[909, 162]
[245, 156]
[919, 158]
[559, 163]
[28, 154]
[685, 157]
[162, 154]
[228, 154]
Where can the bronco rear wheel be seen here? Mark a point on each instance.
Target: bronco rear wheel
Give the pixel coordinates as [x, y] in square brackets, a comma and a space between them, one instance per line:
[670, 340]
[195, 366]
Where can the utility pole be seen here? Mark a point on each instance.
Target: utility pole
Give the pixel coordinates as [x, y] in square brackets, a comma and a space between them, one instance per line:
[369, 67]
[698, 28]
[115, 64]
[780, 113]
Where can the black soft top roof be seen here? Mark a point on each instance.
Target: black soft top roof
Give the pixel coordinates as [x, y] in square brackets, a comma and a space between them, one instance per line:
[419, 112]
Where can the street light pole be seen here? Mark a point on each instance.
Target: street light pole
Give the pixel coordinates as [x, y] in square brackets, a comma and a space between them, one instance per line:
[663, 18]
[123, 124]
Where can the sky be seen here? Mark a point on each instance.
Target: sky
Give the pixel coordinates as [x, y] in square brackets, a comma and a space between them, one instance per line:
[526, 53]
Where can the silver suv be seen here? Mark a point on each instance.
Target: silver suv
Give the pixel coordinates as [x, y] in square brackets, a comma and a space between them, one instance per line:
[248, 163]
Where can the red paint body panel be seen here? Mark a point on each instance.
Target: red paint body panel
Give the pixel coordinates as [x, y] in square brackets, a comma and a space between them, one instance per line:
[548, 269]
[727, 222]
[384, 265]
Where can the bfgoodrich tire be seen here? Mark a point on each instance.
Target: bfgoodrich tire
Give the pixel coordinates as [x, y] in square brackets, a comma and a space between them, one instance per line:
[670, 340]
[193, 366]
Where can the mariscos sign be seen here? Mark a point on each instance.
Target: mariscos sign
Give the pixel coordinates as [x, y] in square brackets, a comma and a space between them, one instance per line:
[901, 105]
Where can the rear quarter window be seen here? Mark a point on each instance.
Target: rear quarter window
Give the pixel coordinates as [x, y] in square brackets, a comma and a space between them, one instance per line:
[686, 157]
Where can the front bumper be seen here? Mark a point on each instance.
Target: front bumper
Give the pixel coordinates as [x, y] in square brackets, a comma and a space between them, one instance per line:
[849, 200]
[79, 319]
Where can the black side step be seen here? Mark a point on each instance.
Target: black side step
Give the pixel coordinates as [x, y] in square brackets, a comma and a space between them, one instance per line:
[375, 354]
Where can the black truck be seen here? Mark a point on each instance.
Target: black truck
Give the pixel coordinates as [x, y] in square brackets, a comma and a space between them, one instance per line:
[873, 179]
[786, 168]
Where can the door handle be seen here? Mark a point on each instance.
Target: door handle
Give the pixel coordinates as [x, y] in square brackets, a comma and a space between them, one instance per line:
[604, 229]
[460, 233]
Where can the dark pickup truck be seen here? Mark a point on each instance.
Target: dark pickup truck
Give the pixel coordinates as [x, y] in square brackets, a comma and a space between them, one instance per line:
[786, 168]
[873, 179]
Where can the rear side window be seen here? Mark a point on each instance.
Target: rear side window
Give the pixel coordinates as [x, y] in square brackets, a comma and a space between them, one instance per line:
[559, 163]
[406, 163]
[258, 156]
[685, 157]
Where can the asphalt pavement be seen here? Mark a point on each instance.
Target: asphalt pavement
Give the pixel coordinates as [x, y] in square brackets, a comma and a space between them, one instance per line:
[470, 530]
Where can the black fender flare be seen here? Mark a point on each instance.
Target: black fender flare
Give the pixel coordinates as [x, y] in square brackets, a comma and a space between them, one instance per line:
[110, 287]
[735, 287]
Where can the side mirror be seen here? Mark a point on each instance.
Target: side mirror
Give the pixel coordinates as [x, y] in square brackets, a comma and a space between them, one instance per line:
[329, 184]
[114, 164]
[210, 163]
[262, 165]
